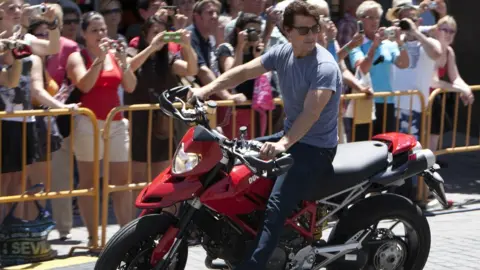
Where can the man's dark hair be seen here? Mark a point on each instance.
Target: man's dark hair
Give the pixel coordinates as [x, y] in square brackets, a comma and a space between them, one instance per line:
[200, 5]
[302, 8]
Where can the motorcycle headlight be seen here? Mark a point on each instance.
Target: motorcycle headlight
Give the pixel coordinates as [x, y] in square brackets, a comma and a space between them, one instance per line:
[184, 162]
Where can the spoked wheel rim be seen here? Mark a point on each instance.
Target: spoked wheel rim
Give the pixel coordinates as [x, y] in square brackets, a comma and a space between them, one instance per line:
[138, 257]
[392, 251]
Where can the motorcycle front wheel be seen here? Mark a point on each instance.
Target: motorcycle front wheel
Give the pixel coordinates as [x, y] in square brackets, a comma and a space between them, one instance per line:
[132, 246]
[387, 247]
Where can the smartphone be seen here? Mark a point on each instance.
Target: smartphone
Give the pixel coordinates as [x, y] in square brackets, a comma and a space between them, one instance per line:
[172, 37]
[360, 28]
[432, 5]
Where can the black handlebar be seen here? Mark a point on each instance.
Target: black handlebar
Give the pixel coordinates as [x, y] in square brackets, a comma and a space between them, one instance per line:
[198, 115]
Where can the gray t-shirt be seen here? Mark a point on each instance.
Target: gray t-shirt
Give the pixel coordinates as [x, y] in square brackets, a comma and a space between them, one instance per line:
[316, 71]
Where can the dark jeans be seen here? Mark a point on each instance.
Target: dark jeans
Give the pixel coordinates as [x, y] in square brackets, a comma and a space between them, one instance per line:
[289, 190]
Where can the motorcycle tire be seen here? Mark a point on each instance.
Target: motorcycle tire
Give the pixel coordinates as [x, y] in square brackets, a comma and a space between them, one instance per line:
[140, 230]
[381, 207]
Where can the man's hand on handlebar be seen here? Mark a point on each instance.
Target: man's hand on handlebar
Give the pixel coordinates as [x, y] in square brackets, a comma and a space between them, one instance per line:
[195, 92]
[270, 150]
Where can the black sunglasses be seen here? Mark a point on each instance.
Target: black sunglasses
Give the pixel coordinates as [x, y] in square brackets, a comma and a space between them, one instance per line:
[111, 11]
[304, 30]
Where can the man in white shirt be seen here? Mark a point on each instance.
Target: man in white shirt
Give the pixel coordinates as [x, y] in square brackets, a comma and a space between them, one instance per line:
[423, 52]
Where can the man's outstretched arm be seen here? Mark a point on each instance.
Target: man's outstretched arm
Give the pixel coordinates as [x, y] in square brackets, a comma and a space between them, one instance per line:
[232, 78]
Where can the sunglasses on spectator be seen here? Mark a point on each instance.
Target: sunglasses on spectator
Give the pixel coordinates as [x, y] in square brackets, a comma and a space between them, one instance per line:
[448, 30]
[111, 11]
[71, 21]
[304, 30]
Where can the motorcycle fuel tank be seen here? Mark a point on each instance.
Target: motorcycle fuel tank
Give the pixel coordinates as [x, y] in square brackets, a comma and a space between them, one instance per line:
[241, 192]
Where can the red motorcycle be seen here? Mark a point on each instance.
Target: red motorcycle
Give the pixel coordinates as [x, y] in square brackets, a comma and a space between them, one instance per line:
[224, 186]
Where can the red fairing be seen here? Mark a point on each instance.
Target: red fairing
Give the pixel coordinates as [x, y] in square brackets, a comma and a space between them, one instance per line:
[398, 142]
[241, 193]
[167, 190]
[210, 153]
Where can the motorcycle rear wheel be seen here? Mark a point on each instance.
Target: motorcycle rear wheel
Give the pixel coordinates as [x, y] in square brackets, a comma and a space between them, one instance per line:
[381, 207]
[131, 247]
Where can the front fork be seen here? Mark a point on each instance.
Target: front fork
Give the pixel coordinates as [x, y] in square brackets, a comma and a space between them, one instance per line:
[168, 245]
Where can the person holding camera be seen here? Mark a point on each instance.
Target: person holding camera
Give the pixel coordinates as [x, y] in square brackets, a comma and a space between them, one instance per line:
[377, 56]
[97, 71]
[423, 53]
[15, 18]
[244, 44]
[152, 64]
[447, 77]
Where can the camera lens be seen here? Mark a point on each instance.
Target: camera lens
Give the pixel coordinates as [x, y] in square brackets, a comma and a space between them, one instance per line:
[404, 25]
[252, 34]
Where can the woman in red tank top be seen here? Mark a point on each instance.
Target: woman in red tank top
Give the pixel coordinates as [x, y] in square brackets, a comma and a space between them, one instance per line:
[97, 71]
[447, 78]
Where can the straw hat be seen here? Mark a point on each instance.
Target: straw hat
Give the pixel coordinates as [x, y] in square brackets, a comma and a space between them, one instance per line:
[397, 5]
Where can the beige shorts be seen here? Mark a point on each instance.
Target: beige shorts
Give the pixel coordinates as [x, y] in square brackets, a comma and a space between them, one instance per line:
[83, 140]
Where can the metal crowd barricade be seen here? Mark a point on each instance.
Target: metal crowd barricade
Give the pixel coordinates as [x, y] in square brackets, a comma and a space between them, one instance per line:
[454, 148]
[48, 194]
[362, 111]
[107, 188]
[233, 105]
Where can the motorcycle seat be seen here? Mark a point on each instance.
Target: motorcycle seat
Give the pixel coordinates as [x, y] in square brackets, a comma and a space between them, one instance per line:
[354, 163]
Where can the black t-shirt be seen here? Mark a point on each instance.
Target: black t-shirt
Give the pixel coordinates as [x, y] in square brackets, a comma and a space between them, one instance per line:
[247, 87]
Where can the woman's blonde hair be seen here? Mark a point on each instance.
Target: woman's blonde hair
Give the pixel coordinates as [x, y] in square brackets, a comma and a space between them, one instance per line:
[449, 20]
[366, 6]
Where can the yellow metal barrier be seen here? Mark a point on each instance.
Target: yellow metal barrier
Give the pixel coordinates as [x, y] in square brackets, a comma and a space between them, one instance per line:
[48, 194]
[362, 112]
[453, 148]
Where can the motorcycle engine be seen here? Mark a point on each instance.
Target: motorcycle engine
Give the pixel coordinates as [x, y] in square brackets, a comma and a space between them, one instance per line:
[290, 244]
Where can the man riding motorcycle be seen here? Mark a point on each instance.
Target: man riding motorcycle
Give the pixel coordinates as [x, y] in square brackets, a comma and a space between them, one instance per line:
[310, 80]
